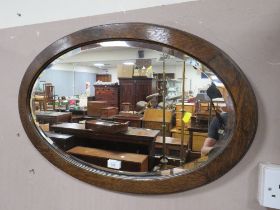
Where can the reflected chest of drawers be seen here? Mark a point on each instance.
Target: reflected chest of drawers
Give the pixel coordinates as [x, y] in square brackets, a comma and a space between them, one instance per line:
[109, 93]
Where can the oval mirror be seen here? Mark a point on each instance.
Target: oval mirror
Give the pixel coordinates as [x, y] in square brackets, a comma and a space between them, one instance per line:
[154, 107]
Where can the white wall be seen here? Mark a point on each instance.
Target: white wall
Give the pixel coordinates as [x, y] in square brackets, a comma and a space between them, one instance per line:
[18, 13]
[247, 30]
[74, 67]
[193, 77]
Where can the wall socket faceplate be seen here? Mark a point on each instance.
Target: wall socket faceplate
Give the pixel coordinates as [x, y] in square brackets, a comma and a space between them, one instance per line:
[269, 185]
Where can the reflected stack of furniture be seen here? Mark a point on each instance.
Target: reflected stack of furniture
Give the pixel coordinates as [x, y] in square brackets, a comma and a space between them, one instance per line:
[109, 112]
[38, 101]
[198, 137]
[78, 114]
[126, 106]
[109, 93]
[188, 107]
[193, 137]
[136, 89]
[195, 130]
[94, 108]
[45, 97]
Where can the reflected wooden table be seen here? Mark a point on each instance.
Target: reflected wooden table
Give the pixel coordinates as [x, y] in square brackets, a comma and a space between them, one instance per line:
[53, 117]
[135, 136]
[173, 146]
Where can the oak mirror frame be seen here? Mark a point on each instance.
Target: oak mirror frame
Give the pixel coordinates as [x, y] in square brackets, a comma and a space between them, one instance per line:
[237, 85]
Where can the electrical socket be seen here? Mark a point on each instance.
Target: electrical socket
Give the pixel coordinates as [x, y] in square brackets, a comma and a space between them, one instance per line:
[269, 185]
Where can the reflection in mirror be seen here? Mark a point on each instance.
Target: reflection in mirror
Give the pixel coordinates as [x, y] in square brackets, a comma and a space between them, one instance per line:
[133, 107]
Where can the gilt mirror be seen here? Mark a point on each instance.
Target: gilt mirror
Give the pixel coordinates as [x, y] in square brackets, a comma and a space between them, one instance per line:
[130, 107]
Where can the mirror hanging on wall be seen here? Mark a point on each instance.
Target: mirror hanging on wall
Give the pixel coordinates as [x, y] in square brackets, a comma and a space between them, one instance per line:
[133, 107]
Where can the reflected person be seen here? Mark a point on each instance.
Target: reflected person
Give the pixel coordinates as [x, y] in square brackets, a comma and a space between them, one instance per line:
[216, 133]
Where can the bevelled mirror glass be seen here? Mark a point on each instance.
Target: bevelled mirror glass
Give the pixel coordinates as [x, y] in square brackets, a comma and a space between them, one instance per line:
[148, 110]
[118, 105]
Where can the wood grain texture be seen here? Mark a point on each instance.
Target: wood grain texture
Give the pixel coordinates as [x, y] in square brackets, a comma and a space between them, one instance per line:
[109, 93]
[224, 67]
[133, 90]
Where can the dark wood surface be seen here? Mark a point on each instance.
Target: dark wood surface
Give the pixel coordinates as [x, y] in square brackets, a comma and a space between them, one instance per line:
[133, 90]
[109, 112]
[63, 141]
[94, 108]
[109, 93]
[133, 120]
[53, 117]
[104, 126]
[135, 135]
[179, 42]
[82, 112]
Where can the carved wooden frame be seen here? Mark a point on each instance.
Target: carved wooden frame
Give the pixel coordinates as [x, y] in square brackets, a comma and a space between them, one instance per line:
[223, 66]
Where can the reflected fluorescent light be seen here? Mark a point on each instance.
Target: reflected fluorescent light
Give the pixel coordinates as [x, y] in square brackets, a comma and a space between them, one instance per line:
[114, 44]
[128, 63]
[99, 64]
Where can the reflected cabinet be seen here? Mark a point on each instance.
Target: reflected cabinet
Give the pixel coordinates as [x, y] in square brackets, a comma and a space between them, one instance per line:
[109, 93]
[133, 90]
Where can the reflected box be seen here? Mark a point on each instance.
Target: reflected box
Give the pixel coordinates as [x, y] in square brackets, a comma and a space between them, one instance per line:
[102, 126]
[133, 120]
[108, 112]
[94, 108]
[124, 71]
